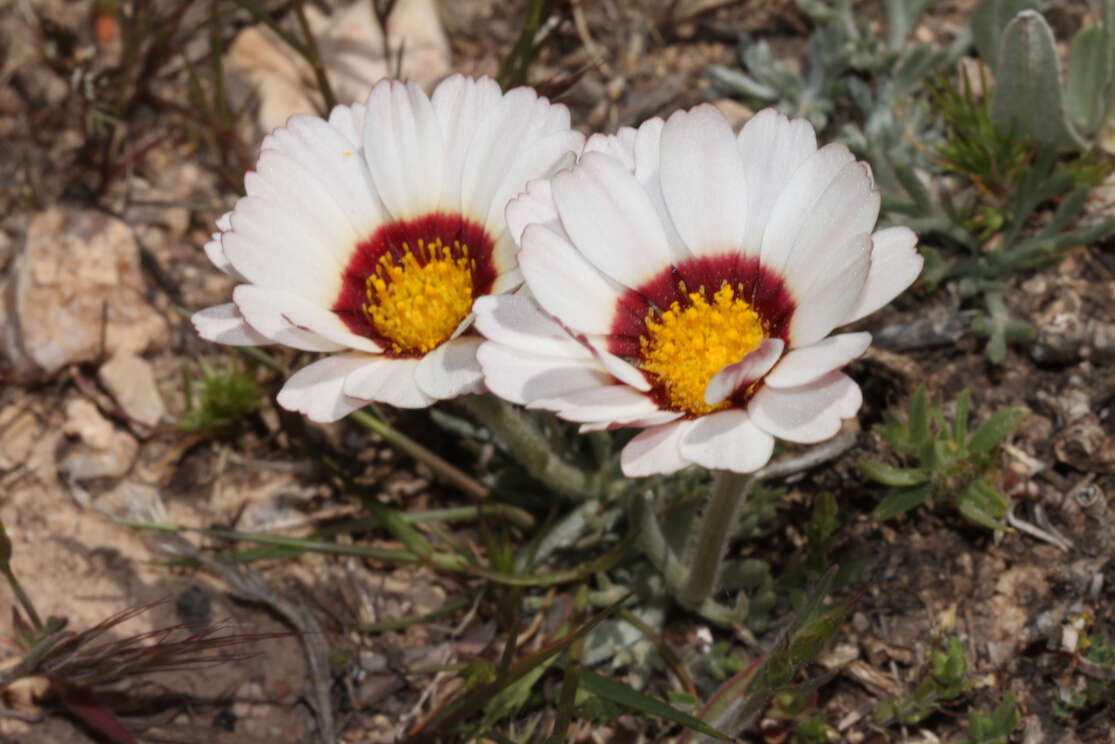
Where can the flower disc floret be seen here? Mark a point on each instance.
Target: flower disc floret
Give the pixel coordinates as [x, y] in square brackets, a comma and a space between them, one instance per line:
[418, 301]
[685, 347]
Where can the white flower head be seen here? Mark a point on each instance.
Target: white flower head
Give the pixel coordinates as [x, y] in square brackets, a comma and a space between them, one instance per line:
[687, 281]
[370, 235]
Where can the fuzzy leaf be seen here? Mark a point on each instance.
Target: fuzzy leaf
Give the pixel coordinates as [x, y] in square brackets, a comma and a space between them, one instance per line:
[1027, 100]
[987, 22]
[960, 420]
[982, 504]
[1087, 78]
[995, 430]
[902, 501]
[889, 475]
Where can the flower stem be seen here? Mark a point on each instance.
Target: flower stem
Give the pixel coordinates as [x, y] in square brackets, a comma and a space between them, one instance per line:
[441, 467]
[530, 447]
[313, 56]
[24, 600]
[728, 495]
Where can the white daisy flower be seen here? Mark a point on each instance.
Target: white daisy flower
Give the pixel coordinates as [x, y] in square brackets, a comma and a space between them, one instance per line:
[688, 281]
[371, 234]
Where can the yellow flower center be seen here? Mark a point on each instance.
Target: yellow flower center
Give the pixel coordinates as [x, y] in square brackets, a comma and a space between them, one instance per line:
[684, 349]
[418, 304]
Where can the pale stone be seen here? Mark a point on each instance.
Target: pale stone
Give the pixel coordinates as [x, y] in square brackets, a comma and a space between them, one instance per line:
[735, 112]
[84, 421]
[130, 381]
[19, 431]
[353, 52]
[75, 292]
[85, 463]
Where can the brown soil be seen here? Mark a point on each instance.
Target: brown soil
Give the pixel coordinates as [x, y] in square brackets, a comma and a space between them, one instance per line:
[928, 575]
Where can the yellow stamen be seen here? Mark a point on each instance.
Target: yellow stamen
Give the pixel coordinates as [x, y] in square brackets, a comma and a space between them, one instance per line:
[418, 305]
[684, 349]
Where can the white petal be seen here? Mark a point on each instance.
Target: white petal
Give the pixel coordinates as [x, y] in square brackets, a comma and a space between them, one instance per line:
[808, 414]
[278, 178]
[648, 139]
[535, 204]
[540, 159]
[337, 166]
[257, 302]
[620, 145]
[834, 287]
[517, 122]
[772, 148]
[744, 372]
[274, 249]
[217, 257]
[388, 380]
[611, 220]
[517, 321]
[611, 403]
[225, 325]
[643, 422]
[849, 207]
[349, 121]
[524, 378]
[703, 181]
[727, 440]
[460, 105]
[655, 451]
[565, 284]
[451, 369]
[265, 310]
[618, 368]
[895, 265]
[404, 149]
[794, 206]
[316, 390]
[803, 366]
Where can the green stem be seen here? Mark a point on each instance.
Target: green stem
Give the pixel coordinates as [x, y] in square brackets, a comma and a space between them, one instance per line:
[401, 623]
[24, 600]
[530, 447]
[313, 56]
[406, 445]
[728, 495]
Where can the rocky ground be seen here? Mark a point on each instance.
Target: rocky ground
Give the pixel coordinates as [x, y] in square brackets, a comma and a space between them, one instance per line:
[118, 152]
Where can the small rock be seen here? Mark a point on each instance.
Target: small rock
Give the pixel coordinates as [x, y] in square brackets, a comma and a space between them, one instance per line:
[353, 51]
[735, 112]
[134, 501]
[19, 431]
[1060, 342]
[84, 421]
[1103, 344]
[85, 463]
[76, 292]
[194, 608]
[131, 382]
[1086, 445]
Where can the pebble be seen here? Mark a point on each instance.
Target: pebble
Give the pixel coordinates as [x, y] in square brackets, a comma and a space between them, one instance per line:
[130, 380]
[75, 292]
[85, 463]
[84, 420]
[352, 49]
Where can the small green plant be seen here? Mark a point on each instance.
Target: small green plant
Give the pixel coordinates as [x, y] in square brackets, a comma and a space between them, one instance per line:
[1029, 98]
[1097, 664]
[951, 464]
[220, 399]
[948, 680]
[994, 727]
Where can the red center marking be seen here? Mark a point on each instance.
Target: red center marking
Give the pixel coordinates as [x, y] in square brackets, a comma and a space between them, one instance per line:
[389, 240]
[763, 289]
